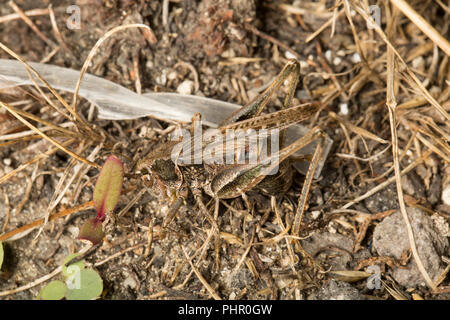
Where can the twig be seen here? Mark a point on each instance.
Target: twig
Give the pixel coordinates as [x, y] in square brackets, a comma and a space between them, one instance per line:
[369, 159]
[165, 13]
[244, 255]
[132, 202]
[137, 75]
[29, 13]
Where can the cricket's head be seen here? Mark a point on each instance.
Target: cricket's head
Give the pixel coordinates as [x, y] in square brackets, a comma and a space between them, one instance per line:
[159, 172]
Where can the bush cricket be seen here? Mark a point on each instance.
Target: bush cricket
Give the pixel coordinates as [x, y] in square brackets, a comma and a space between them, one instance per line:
[224, 181]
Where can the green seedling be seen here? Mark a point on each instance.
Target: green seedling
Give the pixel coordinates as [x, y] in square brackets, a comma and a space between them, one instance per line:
[78, 283]
[106, 195]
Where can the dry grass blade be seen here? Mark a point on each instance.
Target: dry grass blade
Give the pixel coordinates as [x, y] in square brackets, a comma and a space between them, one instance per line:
[37, 75]
[349, 275]
[423, 25]
[302, 201]
[46, 137]
[358, 130]
[383, 185]
[34, 160]
[391, 104]
[440, 150]
[394, 292]
[409, 75]
[29, 13]
[49, 124]
[57, 32]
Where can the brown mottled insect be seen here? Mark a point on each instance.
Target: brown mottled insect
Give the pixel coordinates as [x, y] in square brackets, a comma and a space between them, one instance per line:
[224, 181]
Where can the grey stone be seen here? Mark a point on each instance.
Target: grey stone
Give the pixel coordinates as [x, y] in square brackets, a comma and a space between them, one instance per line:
[391, 239]
[333, 249]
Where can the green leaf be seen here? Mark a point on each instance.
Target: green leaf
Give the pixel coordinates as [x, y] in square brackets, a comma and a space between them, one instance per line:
[55, 290]
[92, 230]
[1, 254]
[67, 271]
[108, 187]
[89, 286]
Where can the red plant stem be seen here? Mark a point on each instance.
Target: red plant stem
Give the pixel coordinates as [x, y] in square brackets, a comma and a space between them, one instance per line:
[38, 222]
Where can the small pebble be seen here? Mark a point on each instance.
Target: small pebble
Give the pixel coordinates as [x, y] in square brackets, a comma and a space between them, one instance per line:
[172, 75]
[328, 55]
[343, 109]
[186, 87]
[356, 57]
[418, 63]
[143, 132]
[315, 214]
[227, 54]
[446, 186]
[337, 61]
[162, 79]
[289, 55]
[446, 195]
[303, 64]
[130, 282]
[74, 231]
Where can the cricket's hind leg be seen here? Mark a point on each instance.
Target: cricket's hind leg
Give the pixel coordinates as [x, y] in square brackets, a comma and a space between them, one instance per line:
[278, 183]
